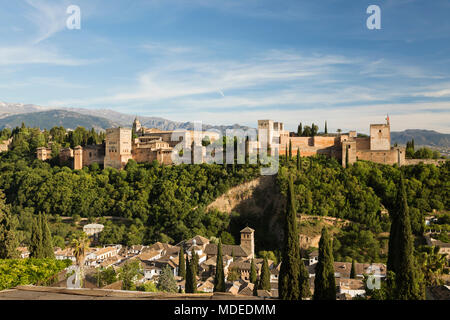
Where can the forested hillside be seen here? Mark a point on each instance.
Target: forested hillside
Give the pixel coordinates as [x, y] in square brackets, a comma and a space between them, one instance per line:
[359, 193]
[163, 203]
[168, 203]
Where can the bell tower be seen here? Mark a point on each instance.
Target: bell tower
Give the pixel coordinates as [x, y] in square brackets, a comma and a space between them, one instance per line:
[248, 241]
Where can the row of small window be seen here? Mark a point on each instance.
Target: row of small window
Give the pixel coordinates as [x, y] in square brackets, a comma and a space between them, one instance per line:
[114, 150]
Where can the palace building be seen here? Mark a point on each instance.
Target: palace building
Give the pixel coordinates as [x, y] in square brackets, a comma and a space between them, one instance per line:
[148, 144]
[122, 144]
[375, 148]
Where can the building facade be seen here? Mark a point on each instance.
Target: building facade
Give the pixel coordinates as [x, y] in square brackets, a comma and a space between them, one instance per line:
[346, 147]
[148, 144]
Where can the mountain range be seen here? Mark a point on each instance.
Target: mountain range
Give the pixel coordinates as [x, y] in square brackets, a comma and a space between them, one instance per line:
[13, 114]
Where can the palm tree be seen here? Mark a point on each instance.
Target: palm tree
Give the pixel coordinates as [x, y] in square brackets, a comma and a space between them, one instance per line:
[433, 264]
[79, 246]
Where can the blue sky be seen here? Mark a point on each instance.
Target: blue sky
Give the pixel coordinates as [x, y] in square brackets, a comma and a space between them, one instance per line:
[234, 61]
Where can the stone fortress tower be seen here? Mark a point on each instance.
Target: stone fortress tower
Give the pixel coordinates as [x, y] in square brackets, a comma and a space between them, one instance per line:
[380, 136]
[118, 147]
[136, 125]
[270, 134]
[78, 158]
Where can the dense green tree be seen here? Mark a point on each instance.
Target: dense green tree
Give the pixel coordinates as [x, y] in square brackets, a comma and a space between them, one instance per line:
[8, 238]
[36, 248]
[166, 280]
[233, 274]
[191, 277]
[219, 278]
[432, 264]
[129, 273]
[326, 128]
[182, 264]
[253, 273]
[314, 130]
[299, 130]
[303, 280]
[353, 270]
[346, 157]
[401, 259]
[255, 289]
[195, 261]
[264, 280]
[288, 282]
[290, 149]
[307, 132]
[106, 276]
[188, 283]
[270, 255]
[47, 241]
[324, 282]
[17, 272]
[299, 160]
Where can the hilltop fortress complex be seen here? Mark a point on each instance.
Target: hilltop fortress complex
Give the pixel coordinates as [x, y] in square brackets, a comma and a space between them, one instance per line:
[149, 144]
[375, 148]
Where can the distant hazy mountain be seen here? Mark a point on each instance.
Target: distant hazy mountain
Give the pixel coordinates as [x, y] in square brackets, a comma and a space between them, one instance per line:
[13, 114]
[421, 138]
[52, 118]
[8, 109]
[126, 120]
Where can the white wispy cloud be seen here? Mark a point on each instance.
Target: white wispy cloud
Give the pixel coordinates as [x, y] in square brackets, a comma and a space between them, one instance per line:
[48, 17]
[17, 55]
[402, 116]
[278, 84]
[440, 90]
[179, 77]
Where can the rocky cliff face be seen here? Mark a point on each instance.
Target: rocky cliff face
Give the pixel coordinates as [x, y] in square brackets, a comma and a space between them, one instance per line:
[258, 203]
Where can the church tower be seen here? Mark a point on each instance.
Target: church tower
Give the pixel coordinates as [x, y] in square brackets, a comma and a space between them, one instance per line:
[248, 241]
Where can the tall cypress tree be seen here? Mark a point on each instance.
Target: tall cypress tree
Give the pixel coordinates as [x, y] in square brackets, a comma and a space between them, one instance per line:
[408, 280]
[324, 282]
[326, 127]
[346, 156]
[288, 282]
[353, 270]
[303, 281]
[36, 239]
[300, 130]
[193, 276]
[8, 239]
[264, 280]
[247, 150]
[253, 274]
[219, 278]
[299, 160]
[286, 154]
[47, 243]
[188, 286]
[290, 149]
[182, 264]
[194, 261]
[255, 289]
